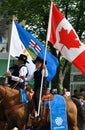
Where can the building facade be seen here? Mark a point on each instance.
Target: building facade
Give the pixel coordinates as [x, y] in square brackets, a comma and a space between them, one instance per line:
[77, 80]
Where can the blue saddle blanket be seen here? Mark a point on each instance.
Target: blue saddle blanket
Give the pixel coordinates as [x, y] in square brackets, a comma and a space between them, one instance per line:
[24, 98]
[58, 115]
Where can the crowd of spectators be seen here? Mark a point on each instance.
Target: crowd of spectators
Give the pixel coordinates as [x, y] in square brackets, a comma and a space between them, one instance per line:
[80, 96]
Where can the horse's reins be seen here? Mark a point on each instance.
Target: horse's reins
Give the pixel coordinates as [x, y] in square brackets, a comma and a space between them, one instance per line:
[14, 85]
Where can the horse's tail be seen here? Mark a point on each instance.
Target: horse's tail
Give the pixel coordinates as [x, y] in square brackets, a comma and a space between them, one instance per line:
[80, 115]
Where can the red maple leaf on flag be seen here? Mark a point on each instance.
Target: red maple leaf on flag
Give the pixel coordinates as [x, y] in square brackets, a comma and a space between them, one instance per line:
[69, 39]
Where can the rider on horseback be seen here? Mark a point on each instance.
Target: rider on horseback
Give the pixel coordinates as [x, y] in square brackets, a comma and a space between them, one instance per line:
[37, 79]
[19, 72]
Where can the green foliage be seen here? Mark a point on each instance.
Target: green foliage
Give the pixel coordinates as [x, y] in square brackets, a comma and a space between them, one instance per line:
[36, 14]
[62, 62]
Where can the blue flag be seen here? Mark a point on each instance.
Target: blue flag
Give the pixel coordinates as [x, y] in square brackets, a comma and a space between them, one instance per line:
[36, 48]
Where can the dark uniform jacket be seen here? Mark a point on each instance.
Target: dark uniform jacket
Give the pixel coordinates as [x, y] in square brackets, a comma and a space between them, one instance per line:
[15, 72]
[37, 80]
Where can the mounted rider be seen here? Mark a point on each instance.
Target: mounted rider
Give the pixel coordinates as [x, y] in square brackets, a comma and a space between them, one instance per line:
[39, 63]
[18, 74]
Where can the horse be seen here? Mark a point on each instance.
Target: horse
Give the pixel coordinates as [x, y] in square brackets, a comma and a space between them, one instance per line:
[80, 115]
[14, 113]
[12, 110]
[74, 115]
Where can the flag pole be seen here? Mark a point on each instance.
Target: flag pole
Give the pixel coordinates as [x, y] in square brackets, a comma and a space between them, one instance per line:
[9, 56]
[44, 63]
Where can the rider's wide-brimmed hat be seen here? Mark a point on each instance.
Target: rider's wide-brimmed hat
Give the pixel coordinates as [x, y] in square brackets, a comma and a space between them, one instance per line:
[22, 57]
[38, 59]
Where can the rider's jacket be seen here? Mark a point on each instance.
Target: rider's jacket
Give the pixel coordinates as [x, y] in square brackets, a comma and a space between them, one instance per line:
[15, 72]
[37, 79]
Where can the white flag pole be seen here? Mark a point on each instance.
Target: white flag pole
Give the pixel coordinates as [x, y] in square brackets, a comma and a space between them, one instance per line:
[9, 56]
[44, 62]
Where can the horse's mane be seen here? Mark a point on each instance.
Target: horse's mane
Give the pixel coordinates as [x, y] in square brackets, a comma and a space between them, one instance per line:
[9, 91]
[8, 88]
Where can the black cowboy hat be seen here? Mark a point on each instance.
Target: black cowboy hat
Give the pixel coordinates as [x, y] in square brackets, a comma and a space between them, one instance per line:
[38, 59]
[22, 57]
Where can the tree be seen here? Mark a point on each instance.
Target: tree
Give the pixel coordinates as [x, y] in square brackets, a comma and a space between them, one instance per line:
[36, 14]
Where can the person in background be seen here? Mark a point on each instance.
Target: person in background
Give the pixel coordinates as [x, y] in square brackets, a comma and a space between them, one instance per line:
[17, 76]
[82, 101]
[40, 66]
[82, 92]
[3, 50]
[75, 94]
[54, 91]
[48, 95]
[64, 91]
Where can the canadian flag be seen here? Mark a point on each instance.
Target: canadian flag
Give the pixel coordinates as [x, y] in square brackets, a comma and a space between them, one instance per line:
[64, 38]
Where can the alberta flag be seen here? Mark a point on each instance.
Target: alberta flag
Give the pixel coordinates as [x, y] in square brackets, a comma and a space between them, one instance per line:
[23, 42]
[64, 38]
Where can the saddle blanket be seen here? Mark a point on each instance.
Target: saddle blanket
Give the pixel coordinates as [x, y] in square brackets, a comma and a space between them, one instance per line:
[58, 115]
[24, 98]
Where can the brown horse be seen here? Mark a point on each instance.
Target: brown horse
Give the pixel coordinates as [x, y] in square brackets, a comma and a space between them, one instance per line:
[16, 114]
[72, 115]
[12, 110]
[80, 115]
